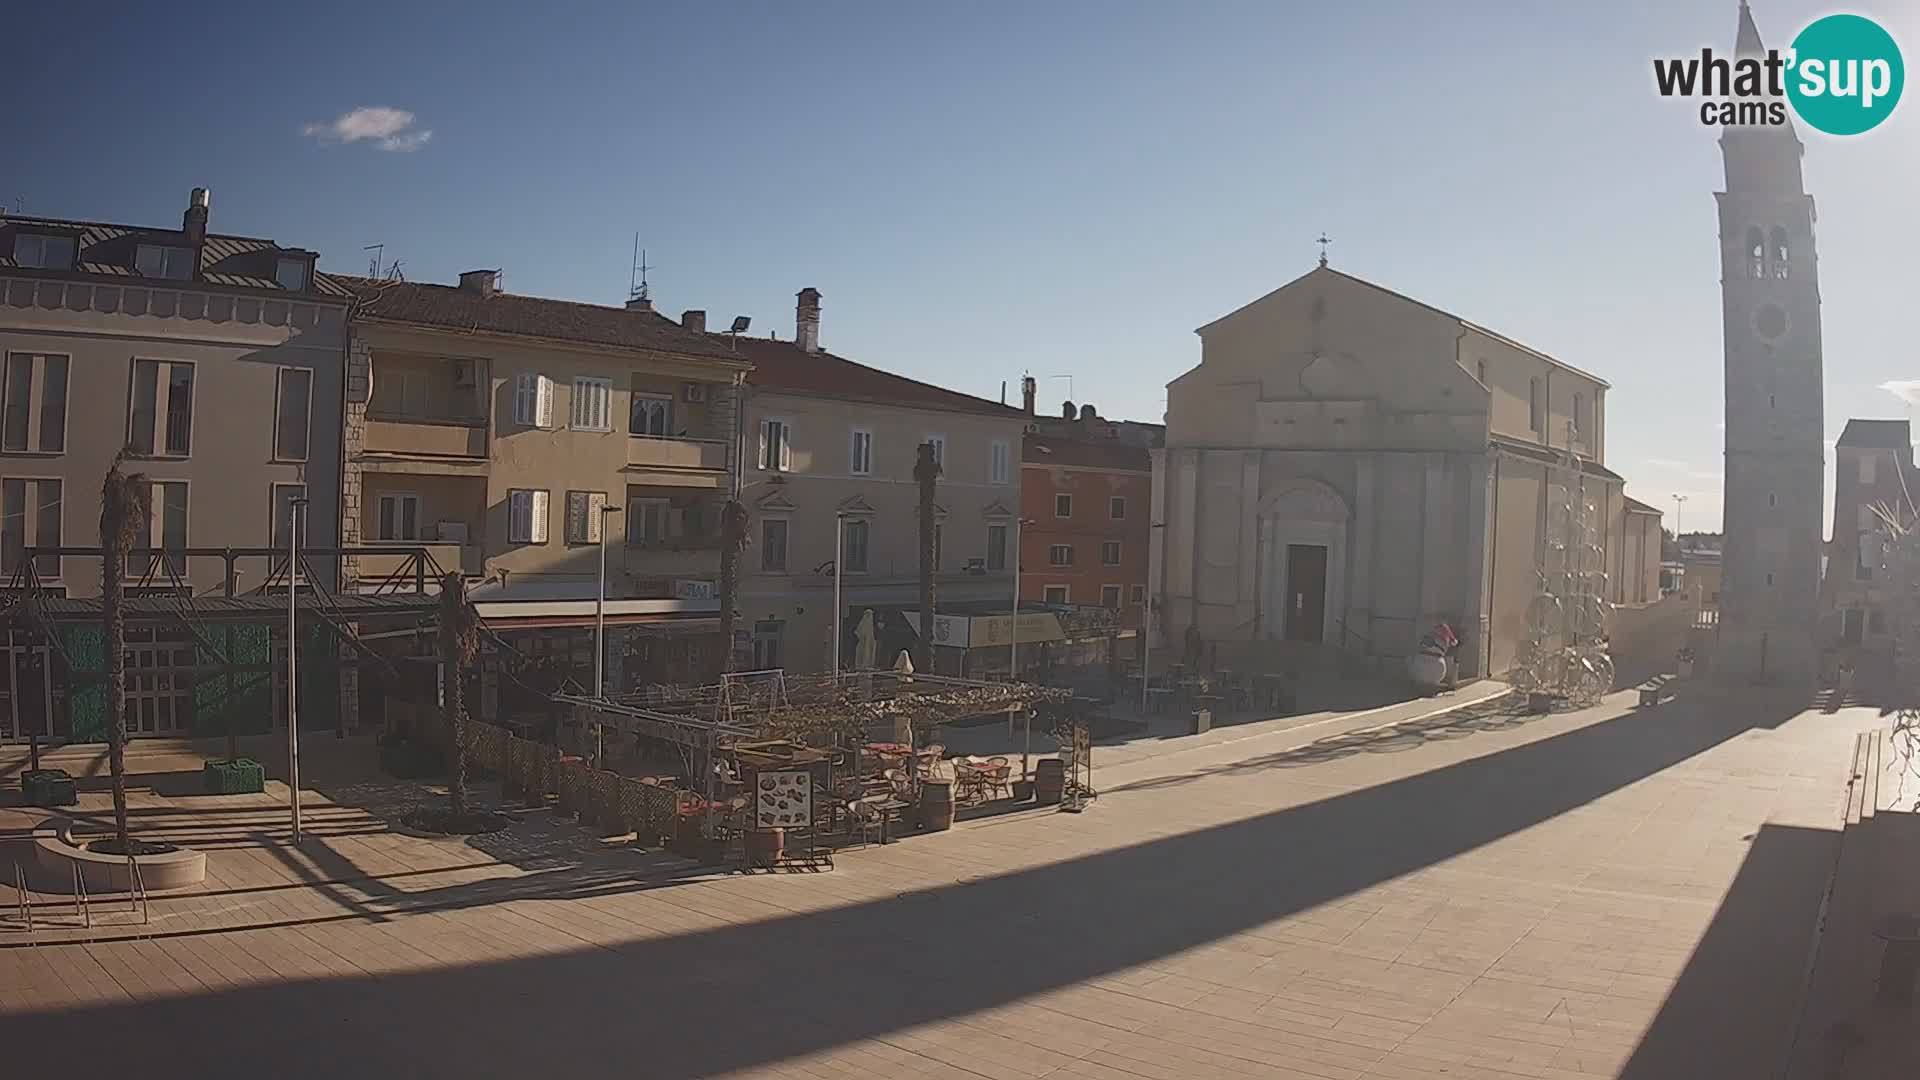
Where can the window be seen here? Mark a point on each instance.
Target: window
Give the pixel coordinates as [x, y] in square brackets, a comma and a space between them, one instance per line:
[766, 643]
[996, 547]
[776, 445]
[592, 403]
[291, 274]
[1001, 464]
[1138, 594]
[1117, 508]
[155, 261]
[30, 512]
[1110, 553]
[38, 251]
[854, 547]
[1756, 254]
[1771, 500]
[1777, 254]
[860, 452]
[292, 412]
[586, 510]
[532, 400]
[1579, 413]
[283, 496]
[1480, 371]
[168, 510]
[162, 421]
[1055, 594]
[527, 516]
[650, 414]
[399, 518]
[1060, 555]
[1536, 406]
[648, 521]
[1110, 597]
[36, 404]
[939, 443]
[1063, 506]
[1866, 469]
[773, 544]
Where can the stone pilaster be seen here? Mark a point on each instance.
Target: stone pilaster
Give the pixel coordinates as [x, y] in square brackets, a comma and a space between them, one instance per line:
[353, 441]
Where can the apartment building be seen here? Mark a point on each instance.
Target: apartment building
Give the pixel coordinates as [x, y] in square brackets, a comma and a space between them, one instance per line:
[1086, 495]
[830, 451]
[1873, 472]
[217, 359]
[522, 440]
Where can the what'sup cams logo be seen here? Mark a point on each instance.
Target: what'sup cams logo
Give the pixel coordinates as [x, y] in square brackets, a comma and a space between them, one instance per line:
[1842, 75]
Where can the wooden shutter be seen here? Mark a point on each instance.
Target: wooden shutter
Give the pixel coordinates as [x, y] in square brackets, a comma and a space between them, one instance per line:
[543, 402]
[540, 514]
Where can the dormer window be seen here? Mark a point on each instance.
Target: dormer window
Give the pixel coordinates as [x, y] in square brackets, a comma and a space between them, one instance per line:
[157, 261]
[291, 274]
[43, 251]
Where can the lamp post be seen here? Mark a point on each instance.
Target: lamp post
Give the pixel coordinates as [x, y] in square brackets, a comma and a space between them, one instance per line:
[294, 507]
[600, 638]
[1679, 501]
[839, 549]
[1146, 621]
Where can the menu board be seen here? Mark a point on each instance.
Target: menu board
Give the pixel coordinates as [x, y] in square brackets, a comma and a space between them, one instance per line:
[783, 799]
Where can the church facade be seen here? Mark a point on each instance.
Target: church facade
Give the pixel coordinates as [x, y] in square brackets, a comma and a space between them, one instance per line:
[1775, 419]
[1348, 466]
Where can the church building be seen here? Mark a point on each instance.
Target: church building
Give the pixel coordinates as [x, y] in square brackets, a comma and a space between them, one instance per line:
[1348, 466]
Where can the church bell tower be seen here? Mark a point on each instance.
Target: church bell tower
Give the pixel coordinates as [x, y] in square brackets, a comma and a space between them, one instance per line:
[1775, 426]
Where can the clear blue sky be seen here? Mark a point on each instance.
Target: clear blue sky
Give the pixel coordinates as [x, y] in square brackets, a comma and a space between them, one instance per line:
[992, 188]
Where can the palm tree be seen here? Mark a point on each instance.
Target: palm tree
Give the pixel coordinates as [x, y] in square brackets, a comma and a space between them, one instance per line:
[125, 499]
[459, 642]
[927, 472]
[734, 539]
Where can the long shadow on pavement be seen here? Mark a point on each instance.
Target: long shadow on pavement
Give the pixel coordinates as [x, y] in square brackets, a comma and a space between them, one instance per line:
[703, 1003]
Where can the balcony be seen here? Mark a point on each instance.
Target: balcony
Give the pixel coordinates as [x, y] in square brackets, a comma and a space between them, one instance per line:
[468, 559]
[420, 437]
[676, 454]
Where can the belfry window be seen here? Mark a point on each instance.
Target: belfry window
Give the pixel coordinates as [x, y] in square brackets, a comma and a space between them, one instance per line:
[1756, 253]
[1778, 264]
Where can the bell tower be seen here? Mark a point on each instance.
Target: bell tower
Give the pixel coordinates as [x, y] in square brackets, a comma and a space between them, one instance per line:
[1775, 419]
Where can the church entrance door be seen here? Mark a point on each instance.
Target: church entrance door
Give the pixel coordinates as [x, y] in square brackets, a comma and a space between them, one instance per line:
[1306, 592]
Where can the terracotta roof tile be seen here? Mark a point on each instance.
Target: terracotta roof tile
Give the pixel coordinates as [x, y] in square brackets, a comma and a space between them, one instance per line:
[784, 367]
[104, 250]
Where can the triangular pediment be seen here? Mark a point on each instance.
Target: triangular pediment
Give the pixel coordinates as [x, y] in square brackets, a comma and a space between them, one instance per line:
[856, 506]
[996, 511]
[775, 502]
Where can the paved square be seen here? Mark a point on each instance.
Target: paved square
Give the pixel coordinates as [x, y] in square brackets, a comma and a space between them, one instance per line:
[1615, 892]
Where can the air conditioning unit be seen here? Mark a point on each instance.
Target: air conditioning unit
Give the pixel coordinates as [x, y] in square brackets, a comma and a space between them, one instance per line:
[465, 372]
[694, 393]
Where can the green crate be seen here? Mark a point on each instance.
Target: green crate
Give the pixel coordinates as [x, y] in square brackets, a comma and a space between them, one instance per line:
[48, 787]
[241, 776]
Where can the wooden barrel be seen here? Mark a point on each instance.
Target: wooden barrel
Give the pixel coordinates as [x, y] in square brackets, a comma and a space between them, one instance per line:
[1049, 781]
[764, 847]
[936, 805]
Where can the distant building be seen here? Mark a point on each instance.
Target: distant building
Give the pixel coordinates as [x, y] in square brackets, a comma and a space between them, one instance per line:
[1873, 471]
[1348, 466]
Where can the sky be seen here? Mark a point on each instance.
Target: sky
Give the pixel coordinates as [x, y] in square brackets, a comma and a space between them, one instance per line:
[985, 190]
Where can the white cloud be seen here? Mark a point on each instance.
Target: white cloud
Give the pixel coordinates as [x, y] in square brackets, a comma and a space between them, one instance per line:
[1907, 390]
[391, 128]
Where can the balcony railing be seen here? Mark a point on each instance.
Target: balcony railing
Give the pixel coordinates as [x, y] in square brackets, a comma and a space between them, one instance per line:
[393, 434]
[664, 452]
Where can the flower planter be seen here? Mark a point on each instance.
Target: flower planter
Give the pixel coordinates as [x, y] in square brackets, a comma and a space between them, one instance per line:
[48, 787]
[240, 776]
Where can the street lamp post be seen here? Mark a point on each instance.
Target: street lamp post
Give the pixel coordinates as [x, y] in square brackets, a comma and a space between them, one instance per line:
[294, 507]
[1679, 501]
[600, 638]
[1146, 622]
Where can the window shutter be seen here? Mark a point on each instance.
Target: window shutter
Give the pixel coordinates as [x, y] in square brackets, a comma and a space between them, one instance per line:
[576, 517]
[543, 401]
[523, 398]
[786, 448]
[596, 518]
[518, 518]
[540, 514]
[766, 430]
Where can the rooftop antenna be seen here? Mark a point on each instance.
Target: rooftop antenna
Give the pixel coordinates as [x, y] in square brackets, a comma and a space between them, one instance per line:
[637, 276]
[1323, 242]
[373, 268]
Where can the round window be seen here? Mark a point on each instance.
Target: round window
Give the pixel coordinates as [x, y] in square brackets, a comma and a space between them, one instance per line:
[1770, 322]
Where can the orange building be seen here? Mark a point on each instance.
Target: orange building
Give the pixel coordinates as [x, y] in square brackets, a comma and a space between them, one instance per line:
[1086, 501]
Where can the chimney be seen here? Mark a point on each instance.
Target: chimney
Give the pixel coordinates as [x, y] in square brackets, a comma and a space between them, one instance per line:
[1029, 389]
[482, 282]
[639, 303]
[1066, 410]
[194, 221]
[1087, 413]
[806, 320]
[695, 320]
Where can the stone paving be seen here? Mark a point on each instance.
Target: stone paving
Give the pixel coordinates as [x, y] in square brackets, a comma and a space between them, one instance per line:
[1612, 892]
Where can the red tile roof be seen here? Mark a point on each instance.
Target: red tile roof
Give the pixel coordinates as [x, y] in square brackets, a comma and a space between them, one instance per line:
[784, 367]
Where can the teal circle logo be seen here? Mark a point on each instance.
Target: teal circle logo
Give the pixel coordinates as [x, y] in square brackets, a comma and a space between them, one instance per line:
[1845, 74]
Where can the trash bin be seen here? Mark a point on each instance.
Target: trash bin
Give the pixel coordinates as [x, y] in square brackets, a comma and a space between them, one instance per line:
[1202, 721]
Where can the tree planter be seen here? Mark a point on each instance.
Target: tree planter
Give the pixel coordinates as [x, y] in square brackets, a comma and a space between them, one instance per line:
[238, 776]
[48, 787]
